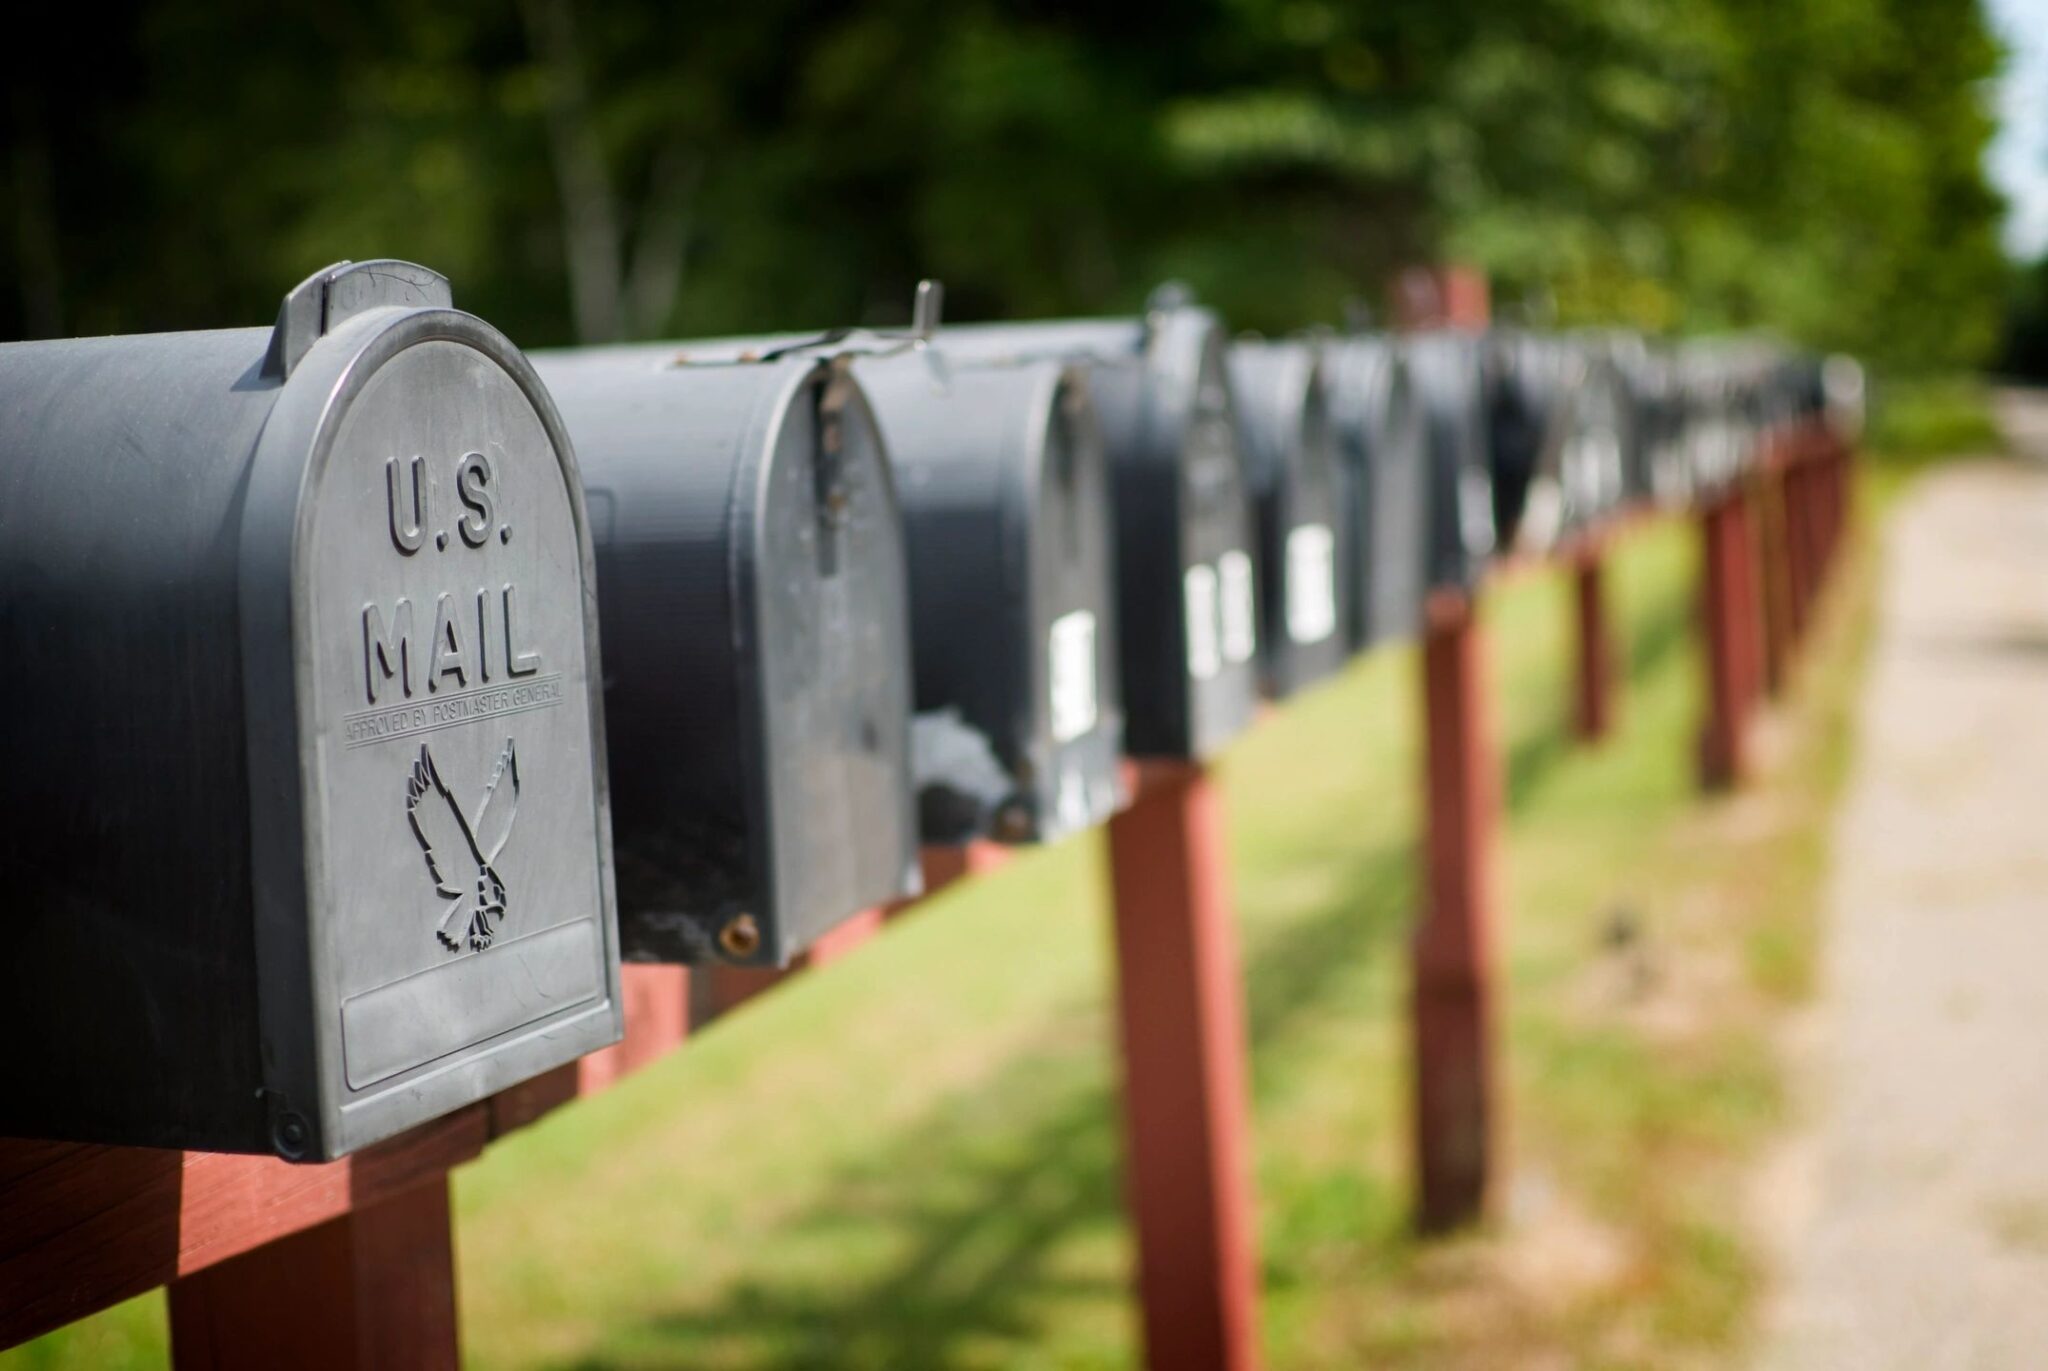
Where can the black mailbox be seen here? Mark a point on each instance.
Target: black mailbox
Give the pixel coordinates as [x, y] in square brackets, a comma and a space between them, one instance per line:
[757, 685]
[1383, 441]
[1654, 466]
[1559, 426]
[1187, 607]
[1844, 395]
[306, 836]
[1303, 504]
[1000, 472]
[1720, 433]
[1451, 380]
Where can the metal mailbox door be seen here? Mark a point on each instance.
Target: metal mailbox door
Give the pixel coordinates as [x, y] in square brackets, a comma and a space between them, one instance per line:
[1187, 598]
[752, 586]
[1000, 470]
[327, 650]
[1304, 503]
[1383, 438]
[1449, 372]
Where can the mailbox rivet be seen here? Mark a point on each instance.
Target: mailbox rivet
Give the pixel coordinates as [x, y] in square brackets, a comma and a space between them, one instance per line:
[290, 1136]
[741, 936]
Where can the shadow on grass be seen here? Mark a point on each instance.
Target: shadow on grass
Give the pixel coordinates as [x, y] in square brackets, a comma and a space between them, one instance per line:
[981, 1228]
[1533, 757]
[982, 1199]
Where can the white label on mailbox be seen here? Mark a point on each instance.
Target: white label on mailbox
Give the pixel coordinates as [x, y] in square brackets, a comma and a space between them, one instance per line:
[1311, 583]
[1070, 652]
[1205, 658]
[1239, 615]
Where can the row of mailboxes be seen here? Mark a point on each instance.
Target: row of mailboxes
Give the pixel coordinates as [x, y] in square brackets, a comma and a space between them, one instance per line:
[315, 776]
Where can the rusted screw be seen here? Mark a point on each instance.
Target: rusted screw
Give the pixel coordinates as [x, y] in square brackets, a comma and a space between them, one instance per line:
[741, 937]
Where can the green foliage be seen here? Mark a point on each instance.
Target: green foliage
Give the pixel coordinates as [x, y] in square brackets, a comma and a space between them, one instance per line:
[641, 169]
[1915, 417]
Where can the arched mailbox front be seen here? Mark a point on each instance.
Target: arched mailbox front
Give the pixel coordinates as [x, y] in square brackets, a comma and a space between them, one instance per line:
[757, 684]
[1383, 441]
[1303, 503]
[1451, 381]
[1560, 419]
[1187, 603]
[1654, 465]
[1004, 487]
[306, 837]
[1720, 417]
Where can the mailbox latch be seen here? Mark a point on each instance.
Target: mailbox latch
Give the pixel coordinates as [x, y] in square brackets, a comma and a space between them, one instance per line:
[327, 297]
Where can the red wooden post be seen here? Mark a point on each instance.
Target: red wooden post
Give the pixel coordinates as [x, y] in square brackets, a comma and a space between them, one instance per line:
[1799, 543]
[374, 1288]
[1774, 585]
[1446, 296]
[1593, 711]
[1729, 612]
[1181, 1014]
[657, 1020]
[1453, 1006]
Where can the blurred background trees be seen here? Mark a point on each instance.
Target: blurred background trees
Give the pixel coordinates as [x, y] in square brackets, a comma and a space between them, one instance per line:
[589, 171]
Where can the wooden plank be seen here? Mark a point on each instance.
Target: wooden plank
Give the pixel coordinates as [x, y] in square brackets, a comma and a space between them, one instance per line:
[86, 1227]
[1181, 1018]
[373, 1288]
[945, 865]
[1453, 992]
[657, 1020]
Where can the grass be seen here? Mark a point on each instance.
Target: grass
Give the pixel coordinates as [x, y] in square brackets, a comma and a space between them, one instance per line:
[911, 1159]
[1917, 421]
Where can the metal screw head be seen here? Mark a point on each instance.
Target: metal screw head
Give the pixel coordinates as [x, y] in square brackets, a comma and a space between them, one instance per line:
[290, 1136]
[741, 936]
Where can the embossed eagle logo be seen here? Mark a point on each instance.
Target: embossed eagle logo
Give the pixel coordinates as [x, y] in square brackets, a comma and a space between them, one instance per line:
[459, 850]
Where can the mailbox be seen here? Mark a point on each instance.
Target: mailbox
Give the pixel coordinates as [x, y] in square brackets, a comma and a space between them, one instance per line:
[1654, 465]
[757, 686]
[1844, 395]
[306, 835]
[1187, 608]
[1303, 506]
[1559, 424]
[1720, 433]
[1451, 380]
[1521, 415]
[1004, 486]
[1383, 442]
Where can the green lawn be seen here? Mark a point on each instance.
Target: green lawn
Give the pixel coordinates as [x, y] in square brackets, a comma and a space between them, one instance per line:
[911, 1158]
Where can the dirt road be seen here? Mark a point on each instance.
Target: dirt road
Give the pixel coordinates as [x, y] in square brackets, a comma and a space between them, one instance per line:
[1913, 1212]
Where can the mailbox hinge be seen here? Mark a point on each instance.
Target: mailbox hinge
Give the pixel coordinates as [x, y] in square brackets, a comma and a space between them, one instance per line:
[342, 291]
